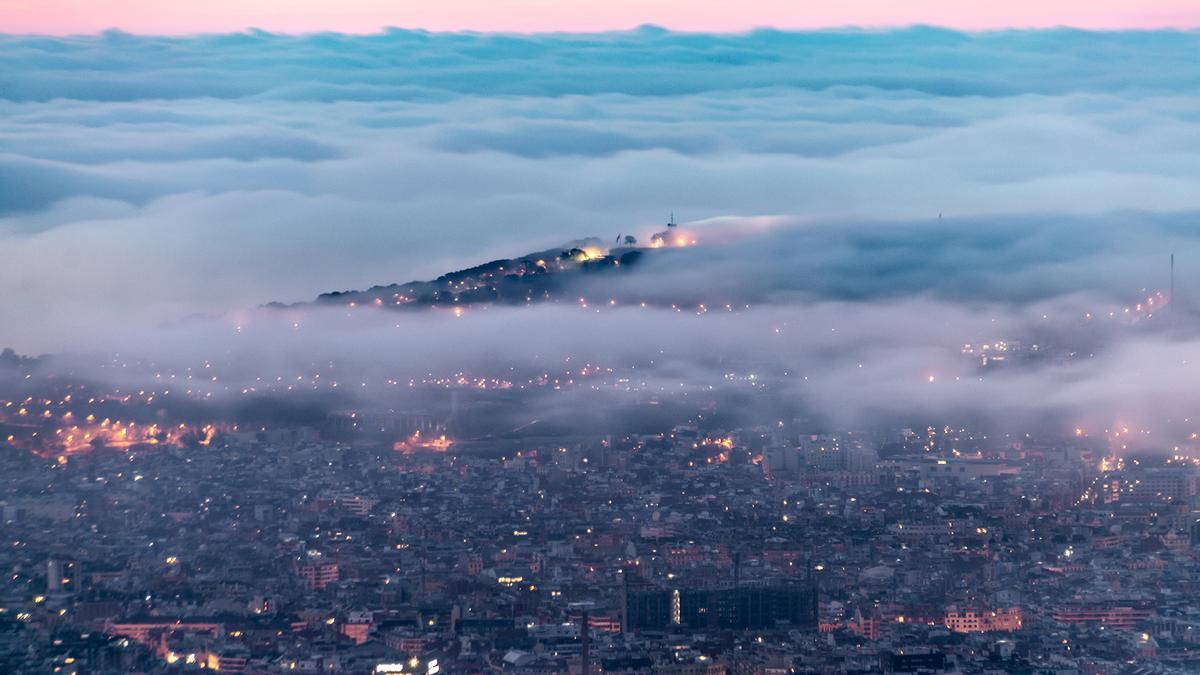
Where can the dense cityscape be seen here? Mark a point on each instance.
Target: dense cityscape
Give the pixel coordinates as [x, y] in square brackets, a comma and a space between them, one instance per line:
[635, 337]
[431, 527]
[693, 550]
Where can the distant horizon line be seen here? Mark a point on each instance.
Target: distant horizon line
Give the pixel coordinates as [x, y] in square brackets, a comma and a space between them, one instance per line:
[643, 27]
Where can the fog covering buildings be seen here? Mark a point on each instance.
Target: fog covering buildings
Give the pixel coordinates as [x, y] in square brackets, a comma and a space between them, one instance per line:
[910, 388]
[507, 507]
[369, 541]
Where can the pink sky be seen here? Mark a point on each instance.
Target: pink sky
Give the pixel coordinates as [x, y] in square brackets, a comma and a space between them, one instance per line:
[357, 16]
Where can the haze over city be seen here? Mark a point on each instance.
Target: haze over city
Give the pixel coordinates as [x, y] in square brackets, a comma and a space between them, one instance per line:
[565, 337]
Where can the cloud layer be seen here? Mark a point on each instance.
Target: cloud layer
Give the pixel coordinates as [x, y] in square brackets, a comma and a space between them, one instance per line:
[144, 179]
[357, 16]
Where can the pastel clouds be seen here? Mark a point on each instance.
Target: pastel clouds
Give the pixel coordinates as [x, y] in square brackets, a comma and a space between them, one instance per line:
[364, 16]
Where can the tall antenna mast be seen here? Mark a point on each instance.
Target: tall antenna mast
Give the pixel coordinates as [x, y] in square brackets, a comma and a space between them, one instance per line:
[1171, 297]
